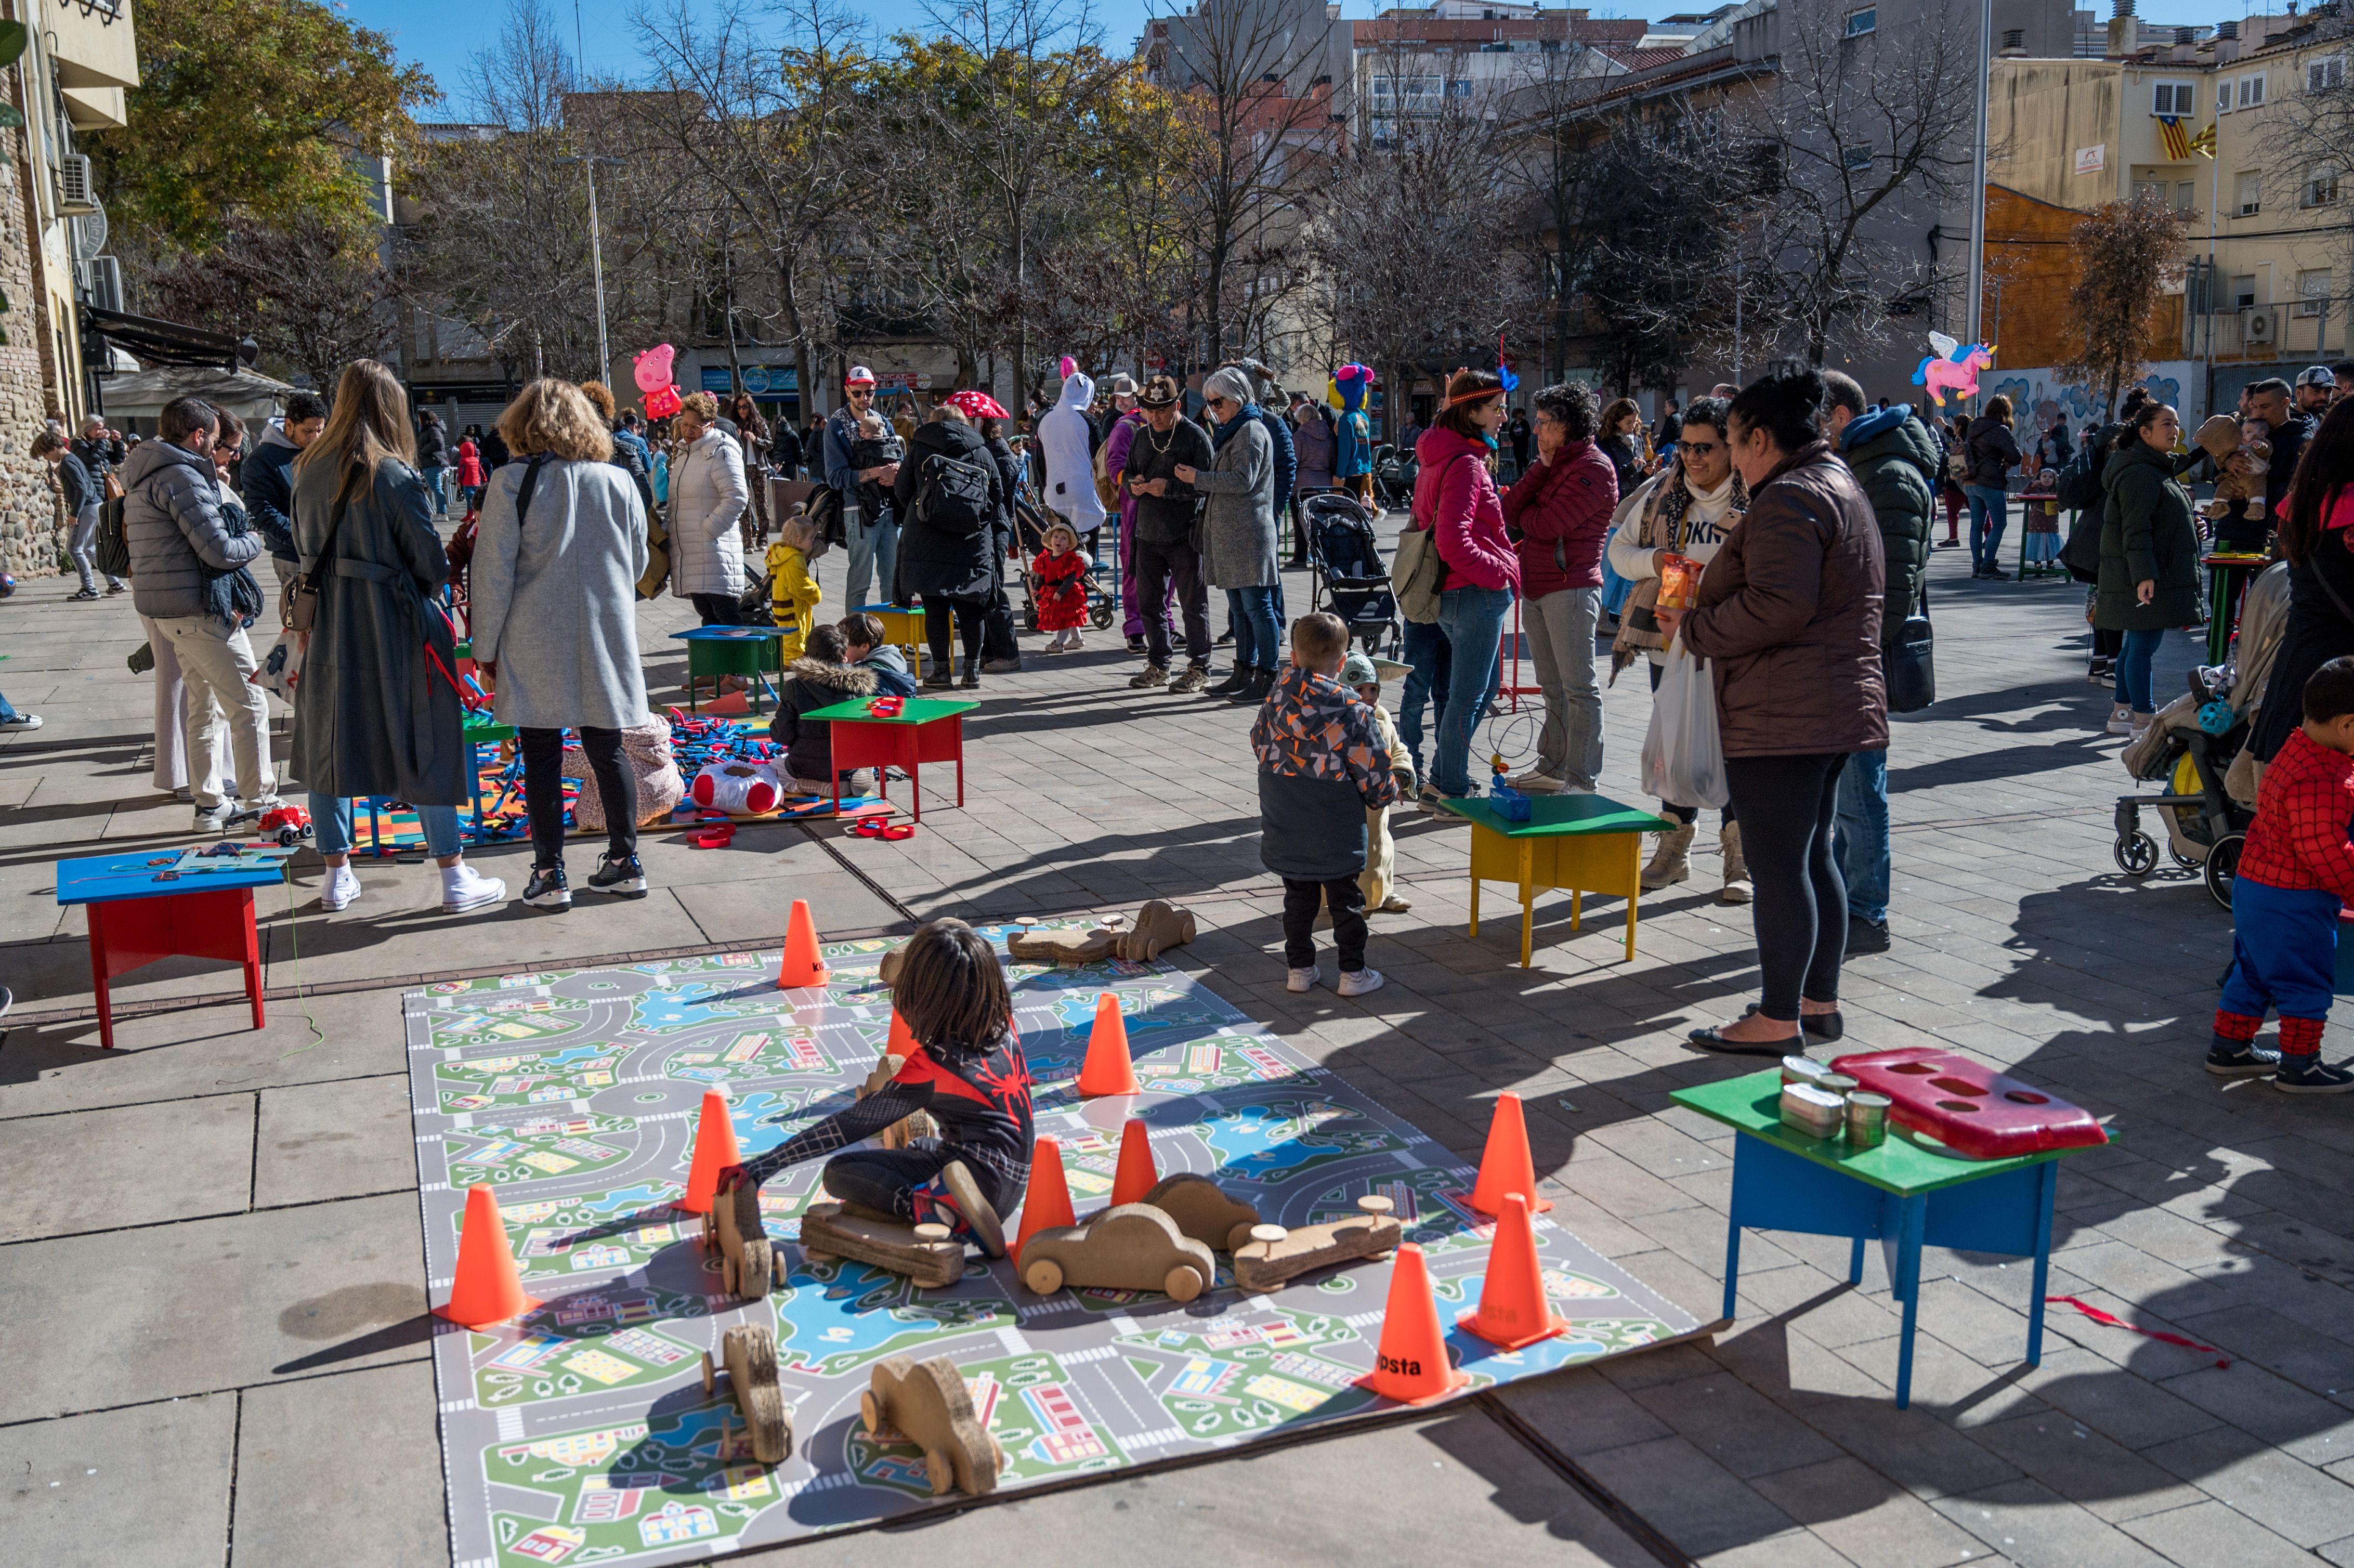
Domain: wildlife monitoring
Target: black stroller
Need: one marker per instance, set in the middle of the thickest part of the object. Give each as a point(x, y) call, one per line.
point(2191, 749)
point(1393, 472)
point(1349, 577)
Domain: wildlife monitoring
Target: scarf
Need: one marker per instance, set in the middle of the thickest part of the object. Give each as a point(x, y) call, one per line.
point(1225, 432)
point(1662, 529)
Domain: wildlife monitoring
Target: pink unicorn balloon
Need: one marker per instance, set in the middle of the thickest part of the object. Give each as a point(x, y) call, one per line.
point(651, 370)
point(1953, 367)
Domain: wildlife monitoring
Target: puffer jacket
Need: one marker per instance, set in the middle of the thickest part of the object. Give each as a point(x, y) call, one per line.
point(432, 444)
point(2146, 535)
point(810, 685)
point(267, 478)
point(1559, 514)
point(935, 561)
point(172, 520)
point(1993, 453)
point(1894, 459)
point(1455, 498)
point(1317, 448)
point(708, 495)
point(1789, 614)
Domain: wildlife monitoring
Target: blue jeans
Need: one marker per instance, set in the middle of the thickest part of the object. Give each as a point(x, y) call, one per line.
point(1989, 510)
point(1860, 836)
point(433, 477)
point(1258, 642)
point(1425, 648)
point(2134, 660)
point(7, 714)
point(1473, 620)
point(2283, 951)
point(331, 819)
point(874, 555)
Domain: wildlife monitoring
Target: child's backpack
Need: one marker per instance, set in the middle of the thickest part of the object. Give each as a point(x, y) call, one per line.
point(953, 493)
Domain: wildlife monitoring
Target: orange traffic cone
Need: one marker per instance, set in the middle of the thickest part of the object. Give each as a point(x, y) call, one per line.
point(715, 1150)
point(802, 966)
point(488, 1289)
point(1108, 1070)
point(1513, 1308)
point(1505, 1165)
point(1048, 1201)
point(1136, 1176)
point(1410, 1364)
point(902, 1042)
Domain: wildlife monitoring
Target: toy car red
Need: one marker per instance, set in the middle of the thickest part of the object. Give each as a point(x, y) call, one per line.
point(289, 825)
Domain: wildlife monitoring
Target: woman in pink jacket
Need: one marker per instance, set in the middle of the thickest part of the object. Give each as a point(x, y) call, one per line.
point(1455, 500)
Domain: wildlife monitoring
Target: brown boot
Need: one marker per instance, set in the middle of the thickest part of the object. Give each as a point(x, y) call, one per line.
point(1669, 863)
point(1736, 889)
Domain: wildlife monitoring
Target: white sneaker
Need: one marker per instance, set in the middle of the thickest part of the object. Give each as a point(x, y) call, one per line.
point(342, 888)
point(1535, 782)
point(1357, 983)
point(21, 722)
point(2120, 720)
point(1303, 979)
point(464, 888)
point(215, 818)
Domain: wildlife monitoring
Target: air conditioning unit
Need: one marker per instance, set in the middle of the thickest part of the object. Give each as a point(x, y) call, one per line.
point(2256, 326)
point(101, 282)
point(76, 196)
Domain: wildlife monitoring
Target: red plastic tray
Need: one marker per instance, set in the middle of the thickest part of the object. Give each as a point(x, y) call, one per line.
point(1973, 1110)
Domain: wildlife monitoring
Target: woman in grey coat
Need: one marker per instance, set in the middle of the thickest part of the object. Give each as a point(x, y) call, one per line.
point(376, 710)
point(557, 563)
point(1237, 531)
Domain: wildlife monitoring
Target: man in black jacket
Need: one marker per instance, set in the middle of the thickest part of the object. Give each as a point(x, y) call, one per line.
point(82, 497)
point(100, 450)
point(1165, 509)
point(266, 478)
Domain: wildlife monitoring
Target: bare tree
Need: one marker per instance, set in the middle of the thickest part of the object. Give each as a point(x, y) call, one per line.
point(312, 296)
point(2312, 131)
point(1858, 142)
point(2120, 252)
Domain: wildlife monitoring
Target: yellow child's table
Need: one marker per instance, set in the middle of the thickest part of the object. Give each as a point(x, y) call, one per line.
point(1586, 843)
point(903, 627)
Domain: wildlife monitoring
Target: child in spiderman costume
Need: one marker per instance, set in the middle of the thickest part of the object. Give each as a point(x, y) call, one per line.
point(968, 1071)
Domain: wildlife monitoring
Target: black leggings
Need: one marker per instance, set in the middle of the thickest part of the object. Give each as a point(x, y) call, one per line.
point(1787, 805)
point(542, 791)
point(886, 1179)
point(970, 615)
point(717, 609)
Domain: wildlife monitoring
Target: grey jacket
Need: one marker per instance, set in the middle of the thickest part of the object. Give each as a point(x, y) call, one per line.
point(171, 521)
point(1238, 524)
point(554, 596)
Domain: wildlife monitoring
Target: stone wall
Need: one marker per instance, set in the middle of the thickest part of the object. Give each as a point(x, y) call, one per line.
point(31, 515)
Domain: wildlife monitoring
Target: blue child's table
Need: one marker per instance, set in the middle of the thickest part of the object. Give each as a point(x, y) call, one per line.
point(140, 911)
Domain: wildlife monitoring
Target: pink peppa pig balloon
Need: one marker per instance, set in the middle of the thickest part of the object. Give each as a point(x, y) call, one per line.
point(652, 371)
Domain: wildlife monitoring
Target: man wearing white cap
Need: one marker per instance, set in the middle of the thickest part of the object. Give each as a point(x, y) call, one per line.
point(874, 541)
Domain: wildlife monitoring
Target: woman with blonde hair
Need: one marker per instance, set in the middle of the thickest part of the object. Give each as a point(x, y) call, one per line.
point(376, 711)
point(562, 544)
point(707, 497)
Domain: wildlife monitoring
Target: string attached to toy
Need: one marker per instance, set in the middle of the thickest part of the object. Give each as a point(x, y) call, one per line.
point(294, 951)
point(2111, 1320)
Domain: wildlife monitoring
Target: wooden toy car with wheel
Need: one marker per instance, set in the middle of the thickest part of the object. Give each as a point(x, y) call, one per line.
point(748, 1258)
point(1203, 1210)
point(928, 1403)
point(927, 1253)
point(749, 1356)
point(1274, 1256)
point(1133, 1246)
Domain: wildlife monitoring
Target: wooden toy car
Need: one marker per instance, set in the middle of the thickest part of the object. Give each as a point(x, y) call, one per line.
point(1132, 1248)
point(750, 1356)
point(927, 1402)
point(927, 1253)
point(748, 1258)
point(1275, 1256)
point(1203, 1210)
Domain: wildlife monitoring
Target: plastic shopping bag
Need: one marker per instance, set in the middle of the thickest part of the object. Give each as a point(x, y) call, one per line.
point(1684, 753)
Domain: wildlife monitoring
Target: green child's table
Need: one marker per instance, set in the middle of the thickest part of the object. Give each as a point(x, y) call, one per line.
point(1586, 843)
point(925, 729)
point(1907, 1193)
point(755, 651)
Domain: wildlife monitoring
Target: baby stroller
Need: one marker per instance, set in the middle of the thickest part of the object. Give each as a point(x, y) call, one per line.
point(1393, 472)
point(2195, 744)
point(1349, 578)
point(1030, 525)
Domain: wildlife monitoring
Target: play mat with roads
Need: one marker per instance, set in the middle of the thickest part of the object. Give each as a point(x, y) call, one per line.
point(581, 1432)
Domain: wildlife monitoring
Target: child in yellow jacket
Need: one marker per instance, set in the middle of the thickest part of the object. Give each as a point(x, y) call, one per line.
point(792, 593)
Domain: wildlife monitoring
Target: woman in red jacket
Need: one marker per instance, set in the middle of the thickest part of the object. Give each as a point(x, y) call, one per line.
point(1455, 500)
point(1558, 516)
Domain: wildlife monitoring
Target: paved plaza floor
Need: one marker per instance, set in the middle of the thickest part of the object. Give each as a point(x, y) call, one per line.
point(212, 1297)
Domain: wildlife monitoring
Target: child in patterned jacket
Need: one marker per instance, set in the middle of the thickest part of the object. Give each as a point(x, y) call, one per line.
point(2296, 871)
point(1321, 767)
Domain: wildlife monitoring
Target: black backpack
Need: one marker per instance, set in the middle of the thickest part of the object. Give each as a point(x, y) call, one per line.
point(953, 493)
point(2078, 488)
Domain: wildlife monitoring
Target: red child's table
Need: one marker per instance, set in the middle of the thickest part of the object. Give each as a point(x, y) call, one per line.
point(136, 917)
point(923, 729)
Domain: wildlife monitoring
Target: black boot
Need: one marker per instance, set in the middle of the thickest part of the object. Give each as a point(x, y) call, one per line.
point(1237, 679)
point(1261, 683)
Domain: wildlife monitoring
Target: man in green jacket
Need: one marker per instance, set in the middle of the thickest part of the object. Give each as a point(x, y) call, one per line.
point(1894, 459)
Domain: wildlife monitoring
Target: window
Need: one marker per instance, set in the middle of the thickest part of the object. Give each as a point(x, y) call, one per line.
point(1459, 88)
point(2222, 97)
point(2247, 193)
point(2173, 98)
point(1857, 159)
point(2312, 291)
point(2320, 186)
point(2186, 196)
point(2243, 292)
point(2252, 90)
point(1859, 23)
point(2320, 76)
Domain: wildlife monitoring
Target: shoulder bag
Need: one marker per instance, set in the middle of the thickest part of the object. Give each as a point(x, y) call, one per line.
point(299, 606)
point(1909, 662)
point(1417, 573)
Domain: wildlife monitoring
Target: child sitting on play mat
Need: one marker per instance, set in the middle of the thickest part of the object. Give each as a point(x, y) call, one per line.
point(2297, 869)
point(969, 1074)
point(1322, 766)
point(1058, 576)
point(819, 678)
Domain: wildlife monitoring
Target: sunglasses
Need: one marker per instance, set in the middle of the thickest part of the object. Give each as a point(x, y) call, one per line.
point(1697, 448)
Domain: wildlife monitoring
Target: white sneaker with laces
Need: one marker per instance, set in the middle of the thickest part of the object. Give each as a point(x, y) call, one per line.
point(1534, 782)
point(1303, 979)
point(1357, 983)
point(2120, 720)
point(464, 888)
point(341, 889)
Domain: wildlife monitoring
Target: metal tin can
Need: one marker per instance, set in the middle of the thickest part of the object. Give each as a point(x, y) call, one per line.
point(1812, 1111)
point(1840, 1084)
point(1867, 1119)
point(1803, 1070)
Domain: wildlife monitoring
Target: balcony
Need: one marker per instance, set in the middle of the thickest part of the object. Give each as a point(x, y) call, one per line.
point(91, 44)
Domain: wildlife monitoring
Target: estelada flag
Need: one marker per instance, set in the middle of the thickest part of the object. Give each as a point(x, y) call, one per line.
point(2204, 143)
point(2176, 139)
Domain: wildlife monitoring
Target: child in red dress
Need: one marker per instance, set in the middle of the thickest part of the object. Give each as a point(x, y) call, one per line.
point(1058, 581)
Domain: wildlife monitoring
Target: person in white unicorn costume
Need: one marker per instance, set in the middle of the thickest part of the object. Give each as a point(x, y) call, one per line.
point(1067, 438)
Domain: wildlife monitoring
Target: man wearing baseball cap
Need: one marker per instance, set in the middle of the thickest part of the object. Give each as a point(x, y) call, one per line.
point(2317, 389)
point(874, 541)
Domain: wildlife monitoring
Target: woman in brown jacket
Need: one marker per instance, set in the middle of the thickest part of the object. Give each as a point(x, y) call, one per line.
point(1789, 613)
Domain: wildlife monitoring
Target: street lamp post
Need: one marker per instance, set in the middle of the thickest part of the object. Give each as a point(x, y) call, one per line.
point(1979, 174)
point(597, 258)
